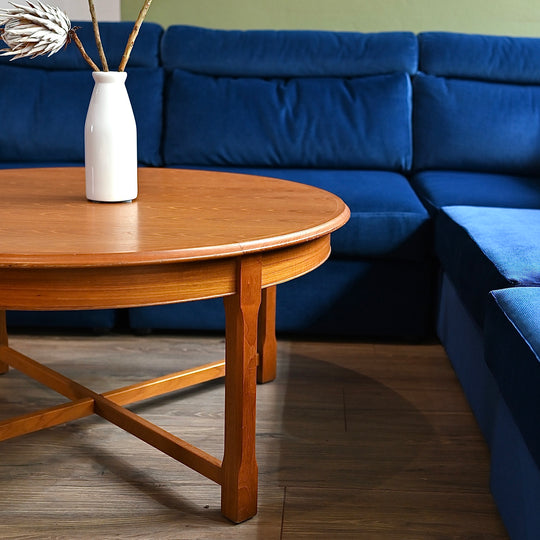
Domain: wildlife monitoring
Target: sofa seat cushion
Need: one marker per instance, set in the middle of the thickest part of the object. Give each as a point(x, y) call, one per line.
point(458, 188)
point(387, 218)
point(512, 352)
point(484, 249)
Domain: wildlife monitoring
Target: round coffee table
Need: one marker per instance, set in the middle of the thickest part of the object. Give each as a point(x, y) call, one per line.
point(189, 235)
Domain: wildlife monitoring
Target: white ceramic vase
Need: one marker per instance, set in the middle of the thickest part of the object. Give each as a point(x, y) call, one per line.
point(110, 141)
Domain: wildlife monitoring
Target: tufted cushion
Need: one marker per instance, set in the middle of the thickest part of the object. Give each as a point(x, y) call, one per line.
point(484, 249)
point(512, 352)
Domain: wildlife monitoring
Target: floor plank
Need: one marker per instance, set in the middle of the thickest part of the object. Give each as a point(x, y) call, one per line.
point(354, 440)
point(386, 514)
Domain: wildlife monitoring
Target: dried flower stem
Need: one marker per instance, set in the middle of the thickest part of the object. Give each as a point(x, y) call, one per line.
point(133, 35)
point(98, 37)
point(73, 35)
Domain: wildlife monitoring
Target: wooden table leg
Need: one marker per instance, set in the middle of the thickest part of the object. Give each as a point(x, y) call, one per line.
point(267, 345)
point(3, 340)
point(239, 467)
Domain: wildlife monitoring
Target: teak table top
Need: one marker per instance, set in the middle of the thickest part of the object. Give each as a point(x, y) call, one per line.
point(179, 215)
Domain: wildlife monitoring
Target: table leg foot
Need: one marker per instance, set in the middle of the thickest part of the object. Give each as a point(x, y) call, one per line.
point(239, 467)
point(239, 496)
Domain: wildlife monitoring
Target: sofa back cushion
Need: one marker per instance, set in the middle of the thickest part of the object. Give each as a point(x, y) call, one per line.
point(288, 98)
point(43, 101)
point(476, 104)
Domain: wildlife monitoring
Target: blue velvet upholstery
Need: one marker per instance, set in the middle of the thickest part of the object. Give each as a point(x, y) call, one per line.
point(483, 249)
point(476, 103)
point(476, 126)
point(50, 125)
point(514, 474)
point(512, 351)
point(463, 340)
point(288, 99)
point(269, 53)
point(298, 122)
point(514, 477)
point(480, 57)
point(461, 188)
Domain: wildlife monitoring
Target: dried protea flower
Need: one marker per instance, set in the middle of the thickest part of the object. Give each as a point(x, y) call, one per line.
point(39, 28)
point(33, 29)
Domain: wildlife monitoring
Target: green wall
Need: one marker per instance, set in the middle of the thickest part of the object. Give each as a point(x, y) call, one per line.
point(507, 17)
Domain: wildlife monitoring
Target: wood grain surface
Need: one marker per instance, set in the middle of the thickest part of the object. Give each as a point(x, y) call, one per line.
point(178, 241)
point(179, 215)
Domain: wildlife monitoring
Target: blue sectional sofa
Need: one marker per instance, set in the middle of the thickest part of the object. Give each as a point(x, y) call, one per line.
point(433, 140)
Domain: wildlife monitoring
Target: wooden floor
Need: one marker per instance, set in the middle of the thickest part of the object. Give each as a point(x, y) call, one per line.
point(354, 440)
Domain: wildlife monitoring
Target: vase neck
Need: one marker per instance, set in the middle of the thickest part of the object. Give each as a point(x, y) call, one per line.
point(109, 77)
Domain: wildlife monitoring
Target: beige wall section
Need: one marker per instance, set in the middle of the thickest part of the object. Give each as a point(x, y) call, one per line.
point(507, 17)
point(107, 10)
